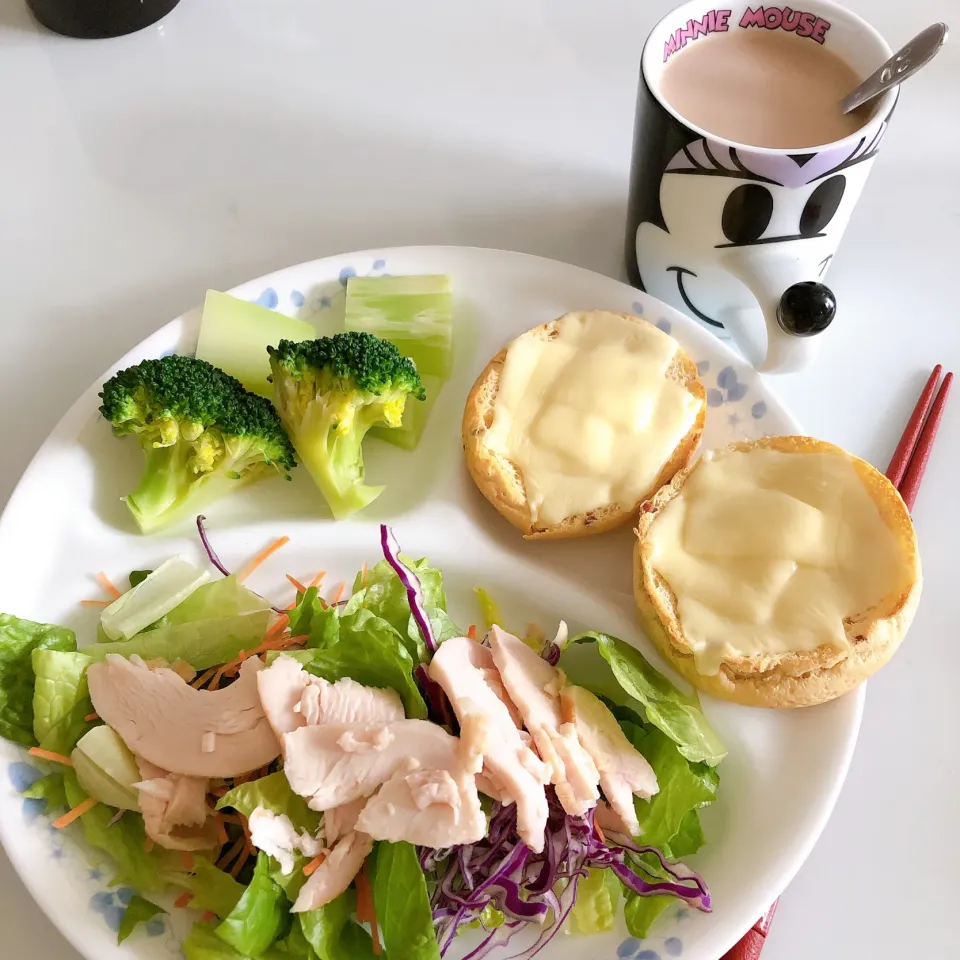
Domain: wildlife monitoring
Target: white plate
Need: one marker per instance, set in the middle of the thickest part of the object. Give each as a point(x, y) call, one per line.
point(65, 522)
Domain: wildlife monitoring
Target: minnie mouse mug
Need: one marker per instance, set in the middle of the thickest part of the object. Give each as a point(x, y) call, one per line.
point(740, 236)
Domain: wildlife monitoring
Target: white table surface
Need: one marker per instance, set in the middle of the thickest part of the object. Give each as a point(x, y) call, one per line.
point(240, 136)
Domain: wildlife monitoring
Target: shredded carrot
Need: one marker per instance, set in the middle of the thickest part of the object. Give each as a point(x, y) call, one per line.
point(148, 844)
point(338, 593)
point(231, 818)
point(222, 837)
point(603, 839)
point(260, 557)
point(92, 716)
point(217, 677)
point(183, 900)
point(208, 917)
point(95, 603)
point(116, 818)
point(105, 582)
point(50, 755)
point(78, 811)
point(316, 581)
point(186, 858)
point(234, 850)
point(311, 867)
point(279, 624)
point(300, 588)
point(220, 791)
point(472, 631)
point(365, 909)
point(198, 682)
point(241, 860)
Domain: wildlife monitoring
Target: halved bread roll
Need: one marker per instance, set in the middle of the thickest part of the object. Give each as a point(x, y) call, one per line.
point(813, 508)
point(502, 481)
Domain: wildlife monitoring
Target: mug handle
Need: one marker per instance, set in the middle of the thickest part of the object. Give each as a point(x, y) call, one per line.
point(768, 276)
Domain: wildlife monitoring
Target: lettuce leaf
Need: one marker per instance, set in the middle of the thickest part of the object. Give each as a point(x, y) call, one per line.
point(125, 844)
point(688, 839)
point(598, 898)
point(380, 591)
point(669, 819)
point(313, 619)
point(370, 651)
point(332, 933)
point(51, 789)
point(213, 889)
point(641, 912)
point(215, 601)
point(677, 714)
point(138, 911)
point(202, 643)
point(61, 699)
point(684, 787)
point(260, 916)
point(489, 609)
point(202, 943)
point(18, 640)
point(273, 793)
point(401, 903)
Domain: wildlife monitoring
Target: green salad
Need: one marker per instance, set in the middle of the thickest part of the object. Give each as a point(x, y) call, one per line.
point(357, 776)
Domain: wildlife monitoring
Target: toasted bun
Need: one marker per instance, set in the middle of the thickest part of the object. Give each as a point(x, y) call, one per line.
point(801, 678)
point(501, 482)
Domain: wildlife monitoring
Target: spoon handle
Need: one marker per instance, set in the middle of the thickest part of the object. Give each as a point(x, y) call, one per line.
point(904, 63)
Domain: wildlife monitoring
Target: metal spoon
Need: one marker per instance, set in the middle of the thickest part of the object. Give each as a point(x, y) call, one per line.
point(904, 63)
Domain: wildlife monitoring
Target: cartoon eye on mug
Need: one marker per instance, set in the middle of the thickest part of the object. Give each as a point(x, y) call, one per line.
point(724, 215)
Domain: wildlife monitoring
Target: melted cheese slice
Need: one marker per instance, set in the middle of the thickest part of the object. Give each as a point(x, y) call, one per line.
point(589, 417)
point(767, 552)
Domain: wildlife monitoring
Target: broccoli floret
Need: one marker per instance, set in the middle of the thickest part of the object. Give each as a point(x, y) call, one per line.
point(329, 393)
point(204, 435)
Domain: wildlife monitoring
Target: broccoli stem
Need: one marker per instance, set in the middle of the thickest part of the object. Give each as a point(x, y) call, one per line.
point(162, 483)
point(169, 491)
point(335, 461)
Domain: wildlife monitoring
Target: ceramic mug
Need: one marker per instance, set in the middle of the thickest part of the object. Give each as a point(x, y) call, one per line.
point(693, 242)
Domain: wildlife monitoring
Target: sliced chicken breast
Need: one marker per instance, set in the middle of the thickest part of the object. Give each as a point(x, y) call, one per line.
point(174, 809)
point(335, 874)
point(429, 808)
point(534, 686)
point(466, 672)
point(336, 764)
point(293, 698)
point(198, 733)
point(624, 771)
point(338, 821)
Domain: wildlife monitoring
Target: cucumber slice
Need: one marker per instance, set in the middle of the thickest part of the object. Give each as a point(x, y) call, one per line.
point(413, 313)
point(169, 585)
point(106, 768)
point(235, 334)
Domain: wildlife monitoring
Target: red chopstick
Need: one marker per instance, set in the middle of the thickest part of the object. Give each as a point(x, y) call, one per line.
point(911, 433)
point(905, 473)
point(911, 472)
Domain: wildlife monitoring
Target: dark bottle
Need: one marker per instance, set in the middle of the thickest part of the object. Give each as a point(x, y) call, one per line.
point(97, 19)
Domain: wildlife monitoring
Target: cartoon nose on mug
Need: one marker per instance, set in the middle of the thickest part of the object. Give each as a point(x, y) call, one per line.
point(795, 309)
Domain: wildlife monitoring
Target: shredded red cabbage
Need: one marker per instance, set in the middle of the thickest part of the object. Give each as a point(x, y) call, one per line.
point(411, 583)
point(211, 553)
point(540, 888)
